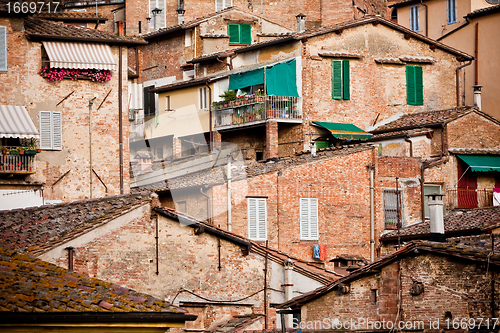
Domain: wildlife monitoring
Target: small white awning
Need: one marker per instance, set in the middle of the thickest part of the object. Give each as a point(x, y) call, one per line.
point(15, 122)
point(79, 55)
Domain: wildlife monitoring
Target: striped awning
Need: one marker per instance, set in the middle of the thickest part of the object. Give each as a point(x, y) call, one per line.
point(15, 122)
point(79, 55)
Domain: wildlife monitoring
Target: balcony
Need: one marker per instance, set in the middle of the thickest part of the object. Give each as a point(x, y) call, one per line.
point(258, 108)
point(17, 162)
point(467, 198)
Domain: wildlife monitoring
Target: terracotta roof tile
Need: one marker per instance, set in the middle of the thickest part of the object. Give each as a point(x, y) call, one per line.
point(72, 16)
point(476, 220)
point(41, 29)
point(40, 228)
point(24, 288)
point(484, 11)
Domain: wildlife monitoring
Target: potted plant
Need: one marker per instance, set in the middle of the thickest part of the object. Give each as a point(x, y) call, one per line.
point(5, 151)
point(14, 151)
point(31, 147)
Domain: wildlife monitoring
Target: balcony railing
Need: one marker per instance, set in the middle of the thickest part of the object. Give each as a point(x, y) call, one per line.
point(13, 161)
point(467, 198)
point(257, 108)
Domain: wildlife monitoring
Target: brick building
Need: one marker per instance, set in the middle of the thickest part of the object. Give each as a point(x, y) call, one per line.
point(423, 285)
point(125, 240)
point(54, 107)
point(459, 147)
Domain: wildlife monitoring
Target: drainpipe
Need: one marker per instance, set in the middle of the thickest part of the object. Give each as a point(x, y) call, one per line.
point(426, 18)
point(71, 251)
point(372, 213)
point(476, 55)
point(120, 114)
point(458, 79)
point(210, 145)
point(407, 139)
point(229, 223)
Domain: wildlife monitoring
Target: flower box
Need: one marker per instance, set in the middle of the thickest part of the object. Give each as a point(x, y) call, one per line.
point(30, 152)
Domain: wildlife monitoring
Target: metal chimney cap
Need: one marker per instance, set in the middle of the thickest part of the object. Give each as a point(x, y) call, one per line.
point(434, 196)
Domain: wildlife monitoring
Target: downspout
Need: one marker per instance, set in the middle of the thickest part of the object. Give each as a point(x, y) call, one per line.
point(229, 223)
point(372, 213)
point(426, 18)
point(458, 79)
point(120, 114)
point(476, 55)
point(407, 139)
point(210, 145)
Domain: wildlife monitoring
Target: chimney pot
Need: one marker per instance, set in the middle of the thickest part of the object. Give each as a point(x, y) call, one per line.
point(301, 22)
point(477, 96)
point(436, 217)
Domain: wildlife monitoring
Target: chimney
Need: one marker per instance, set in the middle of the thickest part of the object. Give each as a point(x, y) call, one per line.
point(436, 217)
point(301, 22)
point(477, 96)
point(121, 28)
point(288, 265)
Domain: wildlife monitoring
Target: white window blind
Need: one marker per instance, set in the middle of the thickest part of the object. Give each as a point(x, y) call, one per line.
point(257, 219)
point(309, 219)
point(3, 49)
point(51, 130)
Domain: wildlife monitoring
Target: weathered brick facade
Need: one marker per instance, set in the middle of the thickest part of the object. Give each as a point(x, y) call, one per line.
point(23, 86)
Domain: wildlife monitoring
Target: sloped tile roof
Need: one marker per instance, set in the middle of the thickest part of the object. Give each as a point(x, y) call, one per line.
point(301, 266)
point(475, 151)
point(72, 16)
point(235, 323)
point(423, 119)
point(473, 221)
point(484, 11)
point(404, 133)
point(41, 29)
point(452, 249)
point(38, 229)
point(32, 285)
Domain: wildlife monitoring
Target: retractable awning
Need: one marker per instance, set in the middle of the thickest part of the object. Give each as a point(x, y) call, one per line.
point(344, 131)
point(15, 122)
point(79, 55)
point(482, 163)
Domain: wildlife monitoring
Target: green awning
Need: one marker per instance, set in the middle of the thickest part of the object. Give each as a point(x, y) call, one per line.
point(344, 131)
point(281, 79)
point(247, 79)
point(482, 163)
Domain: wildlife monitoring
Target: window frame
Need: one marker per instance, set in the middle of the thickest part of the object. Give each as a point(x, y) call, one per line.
point(224, 4)
point(414, 18)
point(243, 29)
point(260, 205)
point(451, 11)
point(414, 85)
point(51, 130)
point(387, 219)
point(309, 218)
point(3, 48)
point(341, 77)
point(203, 98)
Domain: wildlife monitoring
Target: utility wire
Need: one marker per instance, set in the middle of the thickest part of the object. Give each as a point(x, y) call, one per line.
point(211, 300)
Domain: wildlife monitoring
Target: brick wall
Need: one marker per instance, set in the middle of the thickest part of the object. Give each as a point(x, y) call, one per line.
point(21, 85)
point(473, 131)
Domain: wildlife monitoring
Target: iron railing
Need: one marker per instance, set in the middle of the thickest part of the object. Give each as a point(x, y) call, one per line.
point(462, 198)
point(16, 163)
point(257, 108)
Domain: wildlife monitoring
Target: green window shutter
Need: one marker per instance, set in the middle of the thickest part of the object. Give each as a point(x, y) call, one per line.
point(233, 31)
point(419, 86)
point(245, 34)
point(410, 85)
point(345, 79)
point(336, 79)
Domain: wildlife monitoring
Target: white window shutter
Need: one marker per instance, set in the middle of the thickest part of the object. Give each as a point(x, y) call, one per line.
point(304, 218)
point(219, 5)
point(3, 49)
point(57, 131)
point(262, 219)
point(313, 219)
point(45, 130)
point(252, 218)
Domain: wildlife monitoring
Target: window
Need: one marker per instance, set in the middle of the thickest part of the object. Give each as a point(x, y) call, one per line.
point(3, 49)
point(430, 189)
point(239, 33)
point(340, 79)
point(149, 102)
point(50, 130)
point(167, 103)
point(223, 4)
point(391, 206)
point(414, 86)
point(414, 24)
point(451, 11)
point(203, 98)
point(309, 219)
point(257, 219)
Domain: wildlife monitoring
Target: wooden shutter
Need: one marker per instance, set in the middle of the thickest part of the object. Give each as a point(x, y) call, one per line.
point(233, 31)
point(252, 218)
point(345, 80)
point(419, 86)
point(309, 219)
point(410, 85)
point(336, 79)
point(45, 130)
point(57, 131)
point(257, 218)
point(3, 49)
point(245, 34)
point(313, 219)
point(262, 219)
point(149, 102)
point(304, 218)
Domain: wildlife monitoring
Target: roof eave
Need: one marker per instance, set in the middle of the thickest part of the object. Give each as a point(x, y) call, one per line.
point(39, 37)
